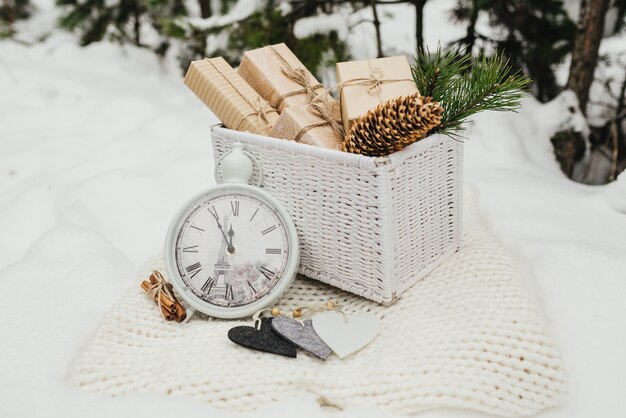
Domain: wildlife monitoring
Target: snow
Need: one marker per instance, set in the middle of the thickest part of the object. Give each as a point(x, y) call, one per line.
point(615, 193)
point(100, 145)
point(323, 24)
point(562, 113)
point(240, 11)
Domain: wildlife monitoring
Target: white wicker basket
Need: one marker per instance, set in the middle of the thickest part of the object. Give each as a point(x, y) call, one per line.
point(371, 226)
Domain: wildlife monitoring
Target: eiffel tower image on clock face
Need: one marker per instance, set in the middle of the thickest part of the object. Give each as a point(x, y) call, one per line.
point(221, 266)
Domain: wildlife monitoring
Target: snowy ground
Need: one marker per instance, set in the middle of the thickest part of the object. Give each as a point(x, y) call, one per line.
point(98, 148)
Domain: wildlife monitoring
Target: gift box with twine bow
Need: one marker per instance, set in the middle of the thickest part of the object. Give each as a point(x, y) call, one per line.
point(227, 95)
point(365, 84)
point(309, 114)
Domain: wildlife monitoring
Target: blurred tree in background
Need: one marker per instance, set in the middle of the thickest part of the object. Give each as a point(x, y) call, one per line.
point(608, 139)
point(537, 37)
point(199, 29)
point(121, 20)
point(537, 34)
point(10, 12)
point(272, 23)
point(221, 27)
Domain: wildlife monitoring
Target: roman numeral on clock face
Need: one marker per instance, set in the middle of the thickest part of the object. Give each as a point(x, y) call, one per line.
point(268, 230)
point(254, 214)
point(252, 289)
point(191, 249)
point(208, 285)
point(213, 212)
point(229, 292)
point(269, 274)
point(273, 251)
point(194, 269)
point(234, 207)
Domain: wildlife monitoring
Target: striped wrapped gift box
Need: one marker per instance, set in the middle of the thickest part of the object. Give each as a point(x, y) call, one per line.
point(229, 96)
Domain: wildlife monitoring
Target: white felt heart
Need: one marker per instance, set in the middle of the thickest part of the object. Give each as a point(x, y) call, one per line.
point(343, 336)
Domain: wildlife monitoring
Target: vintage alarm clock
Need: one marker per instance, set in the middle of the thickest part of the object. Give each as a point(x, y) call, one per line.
point(232, 249)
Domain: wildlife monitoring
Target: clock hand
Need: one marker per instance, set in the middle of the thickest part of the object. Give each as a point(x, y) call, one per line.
point(220, 227)
point(231, 248)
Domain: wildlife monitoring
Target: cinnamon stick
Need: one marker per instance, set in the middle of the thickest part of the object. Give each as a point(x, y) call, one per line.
point(177, 314)
point(168, 315)
point(180, 314)
point(179, 309)
point(165, 300)
point(157, 277)
point(171, 309)
point(167, 310)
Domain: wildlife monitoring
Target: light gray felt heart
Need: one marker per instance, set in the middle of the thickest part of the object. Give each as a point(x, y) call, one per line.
point(303, 336)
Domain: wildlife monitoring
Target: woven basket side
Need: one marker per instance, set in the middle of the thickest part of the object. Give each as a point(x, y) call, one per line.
point(427, 198)
point(336, 206)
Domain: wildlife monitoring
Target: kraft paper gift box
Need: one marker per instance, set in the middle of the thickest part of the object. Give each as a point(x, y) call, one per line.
point(279, 76)
point(300, 125)
point(228, 95)
point(366, 84)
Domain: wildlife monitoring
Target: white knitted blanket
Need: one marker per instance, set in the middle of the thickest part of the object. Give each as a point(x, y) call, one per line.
point(466, 336)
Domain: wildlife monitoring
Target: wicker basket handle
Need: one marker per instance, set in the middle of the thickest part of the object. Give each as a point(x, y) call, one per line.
point(255, 161)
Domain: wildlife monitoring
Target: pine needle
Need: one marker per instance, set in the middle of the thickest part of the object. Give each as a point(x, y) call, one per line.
point(464, 85)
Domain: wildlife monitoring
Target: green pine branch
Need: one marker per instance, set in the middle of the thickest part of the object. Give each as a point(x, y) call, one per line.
point(465, 85)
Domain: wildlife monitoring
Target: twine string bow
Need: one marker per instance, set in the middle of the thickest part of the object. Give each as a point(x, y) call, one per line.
point(317, 104)
point(156, 289)
point(374, 82)
point(323, 110)
point(160, 286)
point(260, 110)
point(299, 76)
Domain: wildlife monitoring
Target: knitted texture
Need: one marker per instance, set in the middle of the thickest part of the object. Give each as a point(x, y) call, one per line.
point(466, 336)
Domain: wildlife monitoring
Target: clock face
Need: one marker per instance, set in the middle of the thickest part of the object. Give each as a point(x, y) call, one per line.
point(232, 249)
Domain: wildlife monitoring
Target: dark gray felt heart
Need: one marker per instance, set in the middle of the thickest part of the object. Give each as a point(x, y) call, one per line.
point(264, 339)
point(303, 336)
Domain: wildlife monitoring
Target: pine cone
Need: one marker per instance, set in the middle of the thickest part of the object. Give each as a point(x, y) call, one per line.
point(393, 125)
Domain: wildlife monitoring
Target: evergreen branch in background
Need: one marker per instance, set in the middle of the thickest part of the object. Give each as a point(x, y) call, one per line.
point(465, 85)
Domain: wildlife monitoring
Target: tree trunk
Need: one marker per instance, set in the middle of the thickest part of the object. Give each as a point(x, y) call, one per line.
point(379, 43)
point(8, 11)
point(618, 134)
point(470, 38)
point(137, 27)
point(586, 45)
point(419, 22)
point(205, 8)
